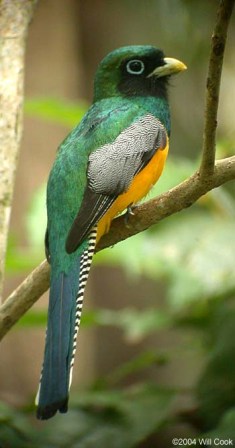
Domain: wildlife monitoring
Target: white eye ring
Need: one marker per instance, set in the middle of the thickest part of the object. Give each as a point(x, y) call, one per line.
point(139, 69)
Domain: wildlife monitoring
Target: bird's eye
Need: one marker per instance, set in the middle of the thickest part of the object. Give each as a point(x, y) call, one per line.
point(135, 67)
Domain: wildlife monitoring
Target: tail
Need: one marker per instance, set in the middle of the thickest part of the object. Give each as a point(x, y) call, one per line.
point(64, 314)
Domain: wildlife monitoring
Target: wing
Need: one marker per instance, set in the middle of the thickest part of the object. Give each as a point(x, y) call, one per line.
point(111, 169)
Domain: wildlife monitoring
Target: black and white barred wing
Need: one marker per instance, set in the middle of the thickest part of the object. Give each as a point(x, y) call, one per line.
point(111, 169)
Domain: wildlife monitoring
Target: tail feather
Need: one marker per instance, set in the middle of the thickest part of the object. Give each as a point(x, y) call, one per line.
point(64, 314)
point(85, 264)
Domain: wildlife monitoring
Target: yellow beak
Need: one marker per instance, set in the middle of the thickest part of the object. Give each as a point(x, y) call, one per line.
point(171, 67)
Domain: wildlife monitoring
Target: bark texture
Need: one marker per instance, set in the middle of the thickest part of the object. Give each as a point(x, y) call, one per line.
point(15, 16)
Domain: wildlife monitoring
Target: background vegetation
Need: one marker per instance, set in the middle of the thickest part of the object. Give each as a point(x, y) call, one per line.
point(157, 336)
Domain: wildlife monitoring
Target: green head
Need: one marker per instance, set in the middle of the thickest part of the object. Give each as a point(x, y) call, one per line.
point(137, 70)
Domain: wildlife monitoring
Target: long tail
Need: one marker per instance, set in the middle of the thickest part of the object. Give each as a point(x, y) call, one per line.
point(64, 314)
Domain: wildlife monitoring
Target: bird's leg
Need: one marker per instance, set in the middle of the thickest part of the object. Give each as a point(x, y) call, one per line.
point(129, 212)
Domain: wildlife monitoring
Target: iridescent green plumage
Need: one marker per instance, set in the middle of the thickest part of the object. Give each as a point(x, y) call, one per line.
point(103, 123)
point(130, 85)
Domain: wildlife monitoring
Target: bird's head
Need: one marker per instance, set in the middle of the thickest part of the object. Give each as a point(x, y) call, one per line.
point(138, 70)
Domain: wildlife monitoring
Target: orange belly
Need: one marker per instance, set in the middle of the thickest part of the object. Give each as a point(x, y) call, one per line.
point(139, 187)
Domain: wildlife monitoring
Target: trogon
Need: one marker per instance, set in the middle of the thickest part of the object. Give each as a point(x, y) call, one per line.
point(105, 165)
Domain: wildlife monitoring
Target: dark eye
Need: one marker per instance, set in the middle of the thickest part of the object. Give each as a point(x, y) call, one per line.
point(135, 67)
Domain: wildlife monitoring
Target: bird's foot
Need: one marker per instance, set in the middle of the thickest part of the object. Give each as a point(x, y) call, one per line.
point(129, 212)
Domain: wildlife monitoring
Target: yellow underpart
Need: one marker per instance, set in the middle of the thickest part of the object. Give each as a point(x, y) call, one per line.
point(139, 187)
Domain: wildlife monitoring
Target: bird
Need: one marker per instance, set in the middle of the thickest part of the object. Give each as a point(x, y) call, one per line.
point(105, 166)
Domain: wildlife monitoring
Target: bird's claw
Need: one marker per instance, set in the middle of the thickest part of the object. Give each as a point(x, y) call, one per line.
point(129, 212)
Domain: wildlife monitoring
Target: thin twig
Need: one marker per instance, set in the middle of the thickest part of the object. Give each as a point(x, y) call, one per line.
point(147, 214)
point(213, 85)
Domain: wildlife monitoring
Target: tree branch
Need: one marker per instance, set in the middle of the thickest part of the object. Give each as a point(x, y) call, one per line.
point(182, 196)
point(15, 16)
point(146, 215)
point(218, 42)
point(151, 212)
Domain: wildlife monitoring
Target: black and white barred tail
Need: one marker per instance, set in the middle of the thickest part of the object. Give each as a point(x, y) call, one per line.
point(85, 264)
point(64, 315)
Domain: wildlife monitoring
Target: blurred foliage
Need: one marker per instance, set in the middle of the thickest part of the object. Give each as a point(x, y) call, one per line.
point(192, 254)
point(225, 429)
point(55, 110)
point(216, 387)
point(97, 419)
point(135, 324)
